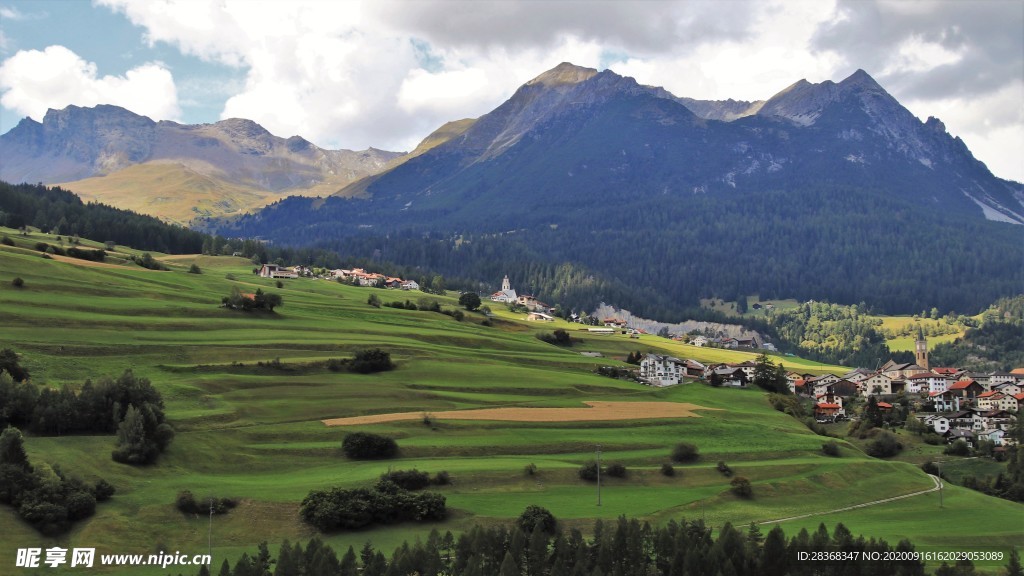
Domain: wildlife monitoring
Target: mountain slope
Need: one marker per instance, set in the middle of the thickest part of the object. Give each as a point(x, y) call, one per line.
point(75, 144)
point(829, 191)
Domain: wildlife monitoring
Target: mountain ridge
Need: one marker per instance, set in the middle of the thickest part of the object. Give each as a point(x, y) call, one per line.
point(817, 194)
point(77, 147)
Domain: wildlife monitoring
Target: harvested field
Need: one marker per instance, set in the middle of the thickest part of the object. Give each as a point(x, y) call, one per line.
point(596, 411)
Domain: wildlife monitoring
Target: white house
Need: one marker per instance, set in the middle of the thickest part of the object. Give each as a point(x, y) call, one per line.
point(700, 341)
point(410, 285)
point(661, 370)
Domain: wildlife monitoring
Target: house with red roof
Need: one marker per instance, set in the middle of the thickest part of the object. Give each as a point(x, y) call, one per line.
point(967, 390)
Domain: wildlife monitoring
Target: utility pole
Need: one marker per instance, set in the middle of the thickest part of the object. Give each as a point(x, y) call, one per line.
point(598, 474)
point(938, 464)
point(209, 534)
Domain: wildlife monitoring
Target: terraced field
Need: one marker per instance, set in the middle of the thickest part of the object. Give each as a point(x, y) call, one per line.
point(247, 394)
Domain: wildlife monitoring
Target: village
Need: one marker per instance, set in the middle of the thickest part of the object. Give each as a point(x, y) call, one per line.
point(951, 402)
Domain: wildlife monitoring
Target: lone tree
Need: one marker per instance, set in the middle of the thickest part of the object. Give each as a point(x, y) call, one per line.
point(685, 452)
point(536, 518)
point(741, 487)
point(470, 301)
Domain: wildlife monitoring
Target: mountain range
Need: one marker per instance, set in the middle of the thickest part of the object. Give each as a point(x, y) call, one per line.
point(172, 170)
point(830, 191)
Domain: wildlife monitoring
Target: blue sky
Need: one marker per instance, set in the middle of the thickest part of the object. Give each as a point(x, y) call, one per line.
point(354, 74)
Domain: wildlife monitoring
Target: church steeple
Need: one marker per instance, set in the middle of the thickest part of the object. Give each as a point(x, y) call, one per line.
point(505, 284)
point(921, 350)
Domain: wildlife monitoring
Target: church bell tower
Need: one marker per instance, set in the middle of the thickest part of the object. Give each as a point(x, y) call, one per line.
point(505, 285)
point(921, 350)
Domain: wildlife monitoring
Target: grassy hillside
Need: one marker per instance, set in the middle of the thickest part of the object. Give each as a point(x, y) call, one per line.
point(253, 431)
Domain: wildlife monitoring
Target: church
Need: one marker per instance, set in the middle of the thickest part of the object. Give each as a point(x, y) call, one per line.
point(506, 294)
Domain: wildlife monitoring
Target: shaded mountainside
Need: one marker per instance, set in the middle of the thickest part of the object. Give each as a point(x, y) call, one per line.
point(830, 191)
point(236, 163)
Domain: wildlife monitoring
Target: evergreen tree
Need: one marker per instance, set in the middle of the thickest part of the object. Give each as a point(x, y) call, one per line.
point(12, 449)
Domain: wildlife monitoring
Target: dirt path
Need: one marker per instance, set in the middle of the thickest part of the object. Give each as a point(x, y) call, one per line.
point(935, 479)
point(596, 411)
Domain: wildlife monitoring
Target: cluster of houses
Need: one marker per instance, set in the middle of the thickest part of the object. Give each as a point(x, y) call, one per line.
point(373, 279)
point(356, 276)
point(954, 403)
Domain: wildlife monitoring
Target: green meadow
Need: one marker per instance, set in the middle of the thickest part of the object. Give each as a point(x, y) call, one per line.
point(246, 394)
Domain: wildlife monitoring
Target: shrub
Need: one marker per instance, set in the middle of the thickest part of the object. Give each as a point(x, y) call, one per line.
point(830, 448)
point(884, 445)
point(685, 452)
point(559, 338)
point(724, 469)
point(536, 518)
point(530, 469)
point(588, 472)
point(194, 269)
point(668, 470)
point(6, 241)
point(368, 446)
point(408, 479)
point(18, 282)
point(616, 470)
point(741, 487)
point(932, 439)
point(930, 467)
point(103, 491)
point(373, 301)
point(187, 504)
point(369, 361)
point(958, 448)
point(442, 478)
point(147, 261)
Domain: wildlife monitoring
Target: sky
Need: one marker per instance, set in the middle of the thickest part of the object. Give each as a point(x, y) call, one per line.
point(385, 73)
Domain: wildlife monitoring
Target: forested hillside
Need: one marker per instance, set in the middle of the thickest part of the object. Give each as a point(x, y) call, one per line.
point(60, 211)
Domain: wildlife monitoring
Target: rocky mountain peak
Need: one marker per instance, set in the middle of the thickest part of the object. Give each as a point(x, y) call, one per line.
point(563, 74)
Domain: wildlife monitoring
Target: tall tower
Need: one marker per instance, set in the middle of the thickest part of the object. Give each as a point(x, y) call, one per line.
point(505, 285)
point(921, 350)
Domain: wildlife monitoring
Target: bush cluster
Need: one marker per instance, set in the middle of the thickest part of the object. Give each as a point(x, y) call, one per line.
point(385, 503)
point(369, 446)
point(186, 502)
point(884, 445)
point(370, 361)
point(559, 338)
point(259, 301)
point(43, 496)
point(830, 448)
point(147, 261)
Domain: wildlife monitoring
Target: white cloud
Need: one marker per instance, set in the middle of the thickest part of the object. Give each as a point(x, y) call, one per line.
point(33, 81)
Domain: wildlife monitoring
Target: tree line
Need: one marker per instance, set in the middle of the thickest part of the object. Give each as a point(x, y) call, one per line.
point(128, 406)
point(624, 547)
point(53, 209)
